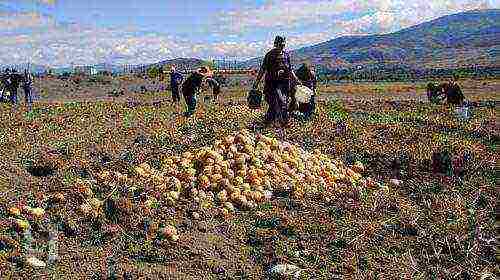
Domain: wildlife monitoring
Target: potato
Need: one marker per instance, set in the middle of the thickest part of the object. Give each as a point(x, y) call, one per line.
point(222, 196)
point(14, 211)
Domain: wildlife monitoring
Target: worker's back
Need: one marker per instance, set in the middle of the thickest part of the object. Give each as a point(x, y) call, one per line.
point(454, 94)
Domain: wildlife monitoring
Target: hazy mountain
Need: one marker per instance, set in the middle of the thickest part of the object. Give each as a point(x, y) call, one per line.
point(451, 41)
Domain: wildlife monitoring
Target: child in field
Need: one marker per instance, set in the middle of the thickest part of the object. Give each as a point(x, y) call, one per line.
point(454, 95)
point(4, 84)
point(435, 92)
point(15, 79)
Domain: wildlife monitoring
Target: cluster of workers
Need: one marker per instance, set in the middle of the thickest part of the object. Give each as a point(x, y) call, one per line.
point(279, 85)
point(191, 86)
point(450, 91)
point(10, 81)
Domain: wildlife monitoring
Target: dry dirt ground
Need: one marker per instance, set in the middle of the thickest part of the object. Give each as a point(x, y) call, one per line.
point(56, 90)
point(430, 226)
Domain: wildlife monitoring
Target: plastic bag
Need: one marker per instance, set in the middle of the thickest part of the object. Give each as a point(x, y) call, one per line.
point(303, 94)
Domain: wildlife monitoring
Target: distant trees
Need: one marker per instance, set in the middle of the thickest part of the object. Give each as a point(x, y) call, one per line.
point(154, 72)
point(397, 73)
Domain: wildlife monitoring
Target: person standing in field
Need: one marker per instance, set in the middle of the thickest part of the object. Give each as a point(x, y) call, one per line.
point(215, 87)
point(15, 79)
point(175, 81)
point(278, 69)
point(191, 86)
point(4, 83)
point(454, 95)
point(307, 76)
point(27, 86)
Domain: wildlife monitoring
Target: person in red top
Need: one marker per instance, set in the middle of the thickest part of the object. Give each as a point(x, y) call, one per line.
point(279, 73)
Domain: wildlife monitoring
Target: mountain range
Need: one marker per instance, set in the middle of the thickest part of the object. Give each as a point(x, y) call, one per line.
point(453, 41)
point(449, 42)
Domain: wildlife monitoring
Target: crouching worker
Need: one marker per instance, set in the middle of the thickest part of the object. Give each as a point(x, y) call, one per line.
point(307, 77)
point(278, 69)
point(191, 87)
point(454, 95)
point(215, 88)
point(435, 93)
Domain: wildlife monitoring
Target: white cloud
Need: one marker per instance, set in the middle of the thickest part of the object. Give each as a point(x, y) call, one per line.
point(12, 21)
point(59, 45)
point(383, 15)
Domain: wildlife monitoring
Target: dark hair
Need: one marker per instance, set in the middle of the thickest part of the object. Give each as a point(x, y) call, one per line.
point(279, 40)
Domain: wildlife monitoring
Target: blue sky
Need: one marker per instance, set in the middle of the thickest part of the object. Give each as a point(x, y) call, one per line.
point(60, 32)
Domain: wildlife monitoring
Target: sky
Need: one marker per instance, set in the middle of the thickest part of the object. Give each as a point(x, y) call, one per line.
point(59, 33)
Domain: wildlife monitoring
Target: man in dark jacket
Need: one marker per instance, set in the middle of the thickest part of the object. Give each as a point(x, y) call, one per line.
point(278, 69)
point(175, 81)
point(454, 95)
point(27, 86)
point(15, 79)
point(4, 83)
point(190, 88)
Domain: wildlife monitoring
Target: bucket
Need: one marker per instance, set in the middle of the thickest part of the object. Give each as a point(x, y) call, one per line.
point(254, 99)
point(463, 112)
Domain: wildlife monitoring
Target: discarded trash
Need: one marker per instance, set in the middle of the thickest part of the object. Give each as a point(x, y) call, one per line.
point(285, 271)
point(35, 263)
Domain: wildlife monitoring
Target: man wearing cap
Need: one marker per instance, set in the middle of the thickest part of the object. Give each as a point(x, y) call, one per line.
point(175, 81)
point(191, 86)
point(277, 83)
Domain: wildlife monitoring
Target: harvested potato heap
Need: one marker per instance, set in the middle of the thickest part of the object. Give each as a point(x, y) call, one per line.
point(243, 170)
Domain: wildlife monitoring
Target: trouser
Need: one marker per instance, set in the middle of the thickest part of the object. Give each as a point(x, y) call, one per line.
point(276, 95)
point(2, 93)
point(190, 99)
point(175, 94)
point(27, 96)
point(13, 95)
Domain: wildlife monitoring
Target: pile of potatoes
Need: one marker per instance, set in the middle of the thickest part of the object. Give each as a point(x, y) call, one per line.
point(243, 170)
point(239, 171)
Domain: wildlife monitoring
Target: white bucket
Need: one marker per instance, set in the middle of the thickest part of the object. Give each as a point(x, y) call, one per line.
point(303, 94)
point(463, 112)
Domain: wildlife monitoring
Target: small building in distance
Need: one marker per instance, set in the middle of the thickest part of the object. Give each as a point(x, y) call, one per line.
point(88, 70)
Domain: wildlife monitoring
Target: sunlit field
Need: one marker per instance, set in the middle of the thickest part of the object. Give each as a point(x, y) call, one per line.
point(136, 189)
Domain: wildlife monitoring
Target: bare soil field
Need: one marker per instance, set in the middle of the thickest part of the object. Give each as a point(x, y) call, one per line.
point(80, 156)
point(56, 90)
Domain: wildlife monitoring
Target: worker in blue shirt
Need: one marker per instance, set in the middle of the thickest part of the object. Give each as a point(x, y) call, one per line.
point(175, 82)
